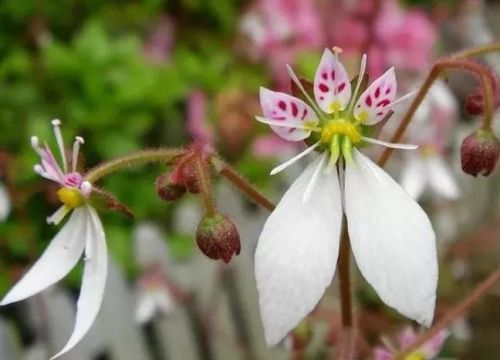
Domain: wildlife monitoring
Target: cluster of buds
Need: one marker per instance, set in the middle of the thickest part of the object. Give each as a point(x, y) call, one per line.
point(479, 153)
point(217, 237)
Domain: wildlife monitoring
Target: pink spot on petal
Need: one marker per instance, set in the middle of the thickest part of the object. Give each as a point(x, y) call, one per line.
point(324, 76)
point(388, 90)
point(368, 101)
point(304, 114)
point(341, 87)
point(333, 75)
point(282, 105)
point(279, 118)
point(295, 110)
point(383, 103)
point(377, 92)
point(323, 87)
point(322, 98)
point(380, 113)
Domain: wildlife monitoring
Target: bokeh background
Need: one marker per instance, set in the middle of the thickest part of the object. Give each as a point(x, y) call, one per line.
point(128, 75)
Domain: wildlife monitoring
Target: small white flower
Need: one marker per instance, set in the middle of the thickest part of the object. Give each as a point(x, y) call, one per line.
point(430, 128)
point(83, 232)
point(152, 254)
point(391, 236)
point(5, 204)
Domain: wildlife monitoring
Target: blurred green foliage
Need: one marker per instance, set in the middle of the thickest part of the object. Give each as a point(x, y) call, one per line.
point(85, 63)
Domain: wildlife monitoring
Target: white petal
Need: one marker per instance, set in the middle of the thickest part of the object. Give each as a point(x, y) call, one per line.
point(414, 178)
point(93, 282)
point(146, 306)
point(4, 203)
point(297, 253)
point(389, 144)
point(441, 178)
point(163, 300)
point(59, 258)
point(392, 240)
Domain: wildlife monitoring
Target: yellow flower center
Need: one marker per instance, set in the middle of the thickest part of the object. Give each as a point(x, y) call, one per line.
point(340, 127)
point(70, 197)
point(417, 355)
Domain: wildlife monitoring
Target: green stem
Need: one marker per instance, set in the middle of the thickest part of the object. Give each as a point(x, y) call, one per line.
point(135, 159)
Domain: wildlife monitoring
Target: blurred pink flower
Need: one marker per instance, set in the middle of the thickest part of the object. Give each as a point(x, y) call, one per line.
point(272, 145)
point(159, 45)
point(407, 337)
point(280, 29)
point(407, 37)
point(197, 123)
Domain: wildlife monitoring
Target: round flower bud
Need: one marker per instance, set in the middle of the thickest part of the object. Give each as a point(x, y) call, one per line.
point(188, 175)
point(218, 238)
point(168, 187)
point(474, 102)
point(479, 153)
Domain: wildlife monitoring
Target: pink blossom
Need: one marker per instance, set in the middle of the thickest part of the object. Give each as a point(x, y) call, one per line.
point(197, 124)
point(160, 42)
point(406, 338)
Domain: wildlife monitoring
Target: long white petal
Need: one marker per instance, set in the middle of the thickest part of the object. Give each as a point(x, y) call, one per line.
point(392, 240)
point(414, 177)
point(390, 145)
point(59, 258)
point(293, 160)
point(4, 203)
point(297, 253)
point(441, 178)
point(93, 282)
point(146, 307)
point(314, 178)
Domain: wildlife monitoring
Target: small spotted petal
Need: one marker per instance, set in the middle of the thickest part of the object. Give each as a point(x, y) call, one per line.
point(281, 107)
point(374, 104)
point(332, 88)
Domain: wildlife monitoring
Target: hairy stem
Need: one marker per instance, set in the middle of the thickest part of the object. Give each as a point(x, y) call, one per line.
point(135, 159)
point(437, 69)
point(453, 314)
point(205, 187)
point(477, 51)
point(242, 184)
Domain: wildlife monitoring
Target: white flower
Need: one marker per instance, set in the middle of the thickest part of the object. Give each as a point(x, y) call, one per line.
point(391, 237)
point(82, 232)
point(4, 203)
point(152, 253)
point(430, 129)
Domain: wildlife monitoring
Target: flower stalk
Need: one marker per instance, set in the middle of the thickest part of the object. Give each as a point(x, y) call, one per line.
point(139, 158)
point(436, 71)
point(205, 187)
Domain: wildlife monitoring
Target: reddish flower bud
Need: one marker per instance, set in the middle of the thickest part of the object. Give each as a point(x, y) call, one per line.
point(474, 102)
point(479, 153)
point(188, 175)
point(218, 238)
point(168, 187)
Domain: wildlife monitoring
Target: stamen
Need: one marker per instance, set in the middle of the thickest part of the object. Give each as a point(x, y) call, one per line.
point(389, 145)
point(76, 149)
point(39, 170)
point(297, 82)
point(404, 97)
point(313, 180)
point(294, 159)
point(57, 217)
point(35, 144)
point(56, 123)
point(362, 69)
point(286, 125)
point(86, 188)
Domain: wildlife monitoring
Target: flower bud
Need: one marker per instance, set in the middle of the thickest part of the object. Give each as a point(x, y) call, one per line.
point(188, 175)
point(168, 187)
point(479, 153)
point(218, 238)
point(474, 102)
